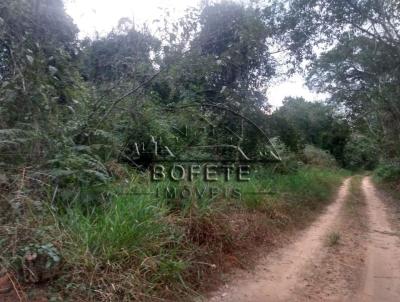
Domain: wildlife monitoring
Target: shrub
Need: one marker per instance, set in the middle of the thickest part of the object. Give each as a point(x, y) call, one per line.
point(388, 172)
point(289, 161)
point(318, 157)
point(360, 153)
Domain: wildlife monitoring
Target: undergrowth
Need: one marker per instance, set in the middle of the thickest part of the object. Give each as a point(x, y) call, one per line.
point(137, 246)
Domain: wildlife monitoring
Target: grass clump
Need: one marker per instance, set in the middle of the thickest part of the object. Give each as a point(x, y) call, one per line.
point(123, 229)
point(332, 239)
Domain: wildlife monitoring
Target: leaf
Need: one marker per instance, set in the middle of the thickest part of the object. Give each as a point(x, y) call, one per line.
point(61, 172)
point(81, 148)
point(56, 258)
point(100, 176)
point(53, 70)
point(30, 59)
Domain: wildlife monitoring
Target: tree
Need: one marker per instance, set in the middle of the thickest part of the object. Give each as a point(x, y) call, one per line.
point(41, 86)
point(360, 66)
point(358, 73)
point(317, 123)
point(360, 153)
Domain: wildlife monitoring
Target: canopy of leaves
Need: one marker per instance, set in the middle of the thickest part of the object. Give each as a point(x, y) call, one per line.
point(357, 61)
point(299, 122)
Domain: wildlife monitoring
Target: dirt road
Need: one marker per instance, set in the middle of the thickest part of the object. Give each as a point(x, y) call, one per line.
point(382, 282)
point(350, 253)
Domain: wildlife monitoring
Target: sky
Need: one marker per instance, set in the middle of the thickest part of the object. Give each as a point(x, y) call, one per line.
point(100, 16)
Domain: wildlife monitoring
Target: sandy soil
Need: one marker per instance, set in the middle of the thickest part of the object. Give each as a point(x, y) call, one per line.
point(281, 272)
point(382, 280)
point(364, 265)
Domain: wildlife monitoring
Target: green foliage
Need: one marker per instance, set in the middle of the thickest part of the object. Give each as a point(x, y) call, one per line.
point(41, 87)
point(37, 262)
point(135, 223)
point(82, 116)
point(290, 162)
point(318, 157)
point(154, 244)
point(123, 55)
point(299, 122)
point(131, 226)
point(287, 132)
point(78, 169)
point(388, 172)
point(360, 71)
point(366, 86)
point(361, 153)
point(48, 250)
point(232, 33)
point(48, 35)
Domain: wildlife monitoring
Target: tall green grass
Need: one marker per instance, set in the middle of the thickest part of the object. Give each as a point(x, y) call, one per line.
point(129, 227)
point(173, 242)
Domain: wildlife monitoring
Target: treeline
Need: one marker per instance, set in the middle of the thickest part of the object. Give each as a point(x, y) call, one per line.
point(70, 106)
point(358, 67)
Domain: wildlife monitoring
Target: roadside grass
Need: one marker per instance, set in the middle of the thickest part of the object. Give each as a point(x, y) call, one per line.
point(387, 179)
point(169, 246)
point(147, 247)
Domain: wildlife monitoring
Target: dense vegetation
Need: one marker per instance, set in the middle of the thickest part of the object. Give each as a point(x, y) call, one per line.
point(75, 116)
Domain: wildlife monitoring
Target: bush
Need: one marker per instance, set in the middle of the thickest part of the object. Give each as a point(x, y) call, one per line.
point(360, 153)
point(290, 162)
point(388, 172)
point(318, 157)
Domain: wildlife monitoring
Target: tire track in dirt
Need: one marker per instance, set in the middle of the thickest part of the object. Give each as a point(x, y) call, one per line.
point(364, 266)
point(340, 272)
point(374, 242)
point(382, 279)
point(277, 276)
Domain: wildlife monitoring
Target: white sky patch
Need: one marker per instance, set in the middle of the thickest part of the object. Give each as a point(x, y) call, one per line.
point(295, 87)
point(100, 16)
